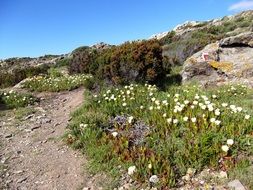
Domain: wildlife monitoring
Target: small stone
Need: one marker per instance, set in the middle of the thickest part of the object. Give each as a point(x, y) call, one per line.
point(8, 136)
point(186, 178)
point(22, 180)
point(191, 171)
point(3, 160)
point(154, 179)
point(8, 181)
point(236, 185)
point(28, 130)
point(223, 174)
point(56, 124)
point(28, 117)
point(45, 120)
point(35, 127)
point(18, 172)
point(127, 186)
point(202, 182)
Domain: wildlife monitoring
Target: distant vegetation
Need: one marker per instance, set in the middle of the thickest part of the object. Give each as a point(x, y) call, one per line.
point(10, 78)
point(138, 61)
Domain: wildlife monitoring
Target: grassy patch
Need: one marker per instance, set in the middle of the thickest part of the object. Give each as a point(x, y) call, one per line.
point(163, 133)
point(11, 99)
point(243, 172)
point(22, 112)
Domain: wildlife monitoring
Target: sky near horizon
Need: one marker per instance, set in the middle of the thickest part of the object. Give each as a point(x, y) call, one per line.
point(38, 27)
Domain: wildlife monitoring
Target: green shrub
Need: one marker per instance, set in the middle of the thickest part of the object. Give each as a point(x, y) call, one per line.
point(132, 61)
point(62, 62)
point(54, 72)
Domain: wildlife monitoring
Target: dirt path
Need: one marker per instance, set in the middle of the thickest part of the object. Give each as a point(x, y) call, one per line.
point(33, 155)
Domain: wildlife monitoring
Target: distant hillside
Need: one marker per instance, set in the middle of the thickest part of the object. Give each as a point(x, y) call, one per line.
point(188, 38)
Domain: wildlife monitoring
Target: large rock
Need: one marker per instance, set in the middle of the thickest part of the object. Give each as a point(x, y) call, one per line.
point(230, 59)
point(244, 39)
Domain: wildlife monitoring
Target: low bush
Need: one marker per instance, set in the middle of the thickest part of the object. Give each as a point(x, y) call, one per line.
point(132, 61)
point(164, 133)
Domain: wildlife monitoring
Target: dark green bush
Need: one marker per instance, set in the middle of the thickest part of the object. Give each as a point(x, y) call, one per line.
point(16, 75)
point(132, 61)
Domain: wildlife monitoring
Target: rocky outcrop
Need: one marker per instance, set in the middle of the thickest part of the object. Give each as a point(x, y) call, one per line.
point(230, 59)
point(244, 39)
point(101, 46)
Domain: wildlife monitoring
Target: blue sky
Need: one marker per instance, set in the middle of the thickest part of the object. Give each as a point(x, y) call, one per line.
point(37, 27)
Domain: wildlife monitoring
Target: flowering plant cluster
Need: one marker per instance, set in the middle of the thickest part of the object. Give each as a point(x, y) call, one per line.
point(13, 99)
point(187, 128)
point(56, 84)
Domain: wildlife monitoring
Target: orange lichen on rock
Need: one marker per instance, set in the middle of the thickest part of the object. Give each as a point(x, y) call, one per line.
point(224, 66)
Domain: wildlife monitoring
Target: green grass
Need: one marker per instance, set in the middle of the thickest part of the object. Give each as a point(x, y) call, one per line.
point(11, 99)
point(243, 172)
point(57, 82)
point(20, 113)
point(142, 126)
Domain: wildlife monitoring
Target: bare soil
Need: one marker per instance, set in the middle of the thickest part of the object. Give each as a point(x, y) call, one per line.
point(33, 154)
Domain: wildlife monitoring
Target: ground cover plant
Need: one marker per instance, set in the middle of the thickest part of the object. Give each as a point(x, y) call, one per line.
point(157, 136)
point(11, 99)
point(57, 83)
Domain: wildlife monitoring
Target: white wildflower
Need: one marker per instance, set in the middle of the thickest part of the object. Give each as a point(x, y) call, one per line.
point(131, 170)
point(230, 142)
point(247, 117)
point(217, 122)
point(194, 119)
point(239, 109)
point(114, 134)
point(186, 102)
point(224, 105)
point(225, 148)
point(212, 120)
point(169, 120)
point(130, 119)
point(175, 121)
point(195, 102)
